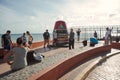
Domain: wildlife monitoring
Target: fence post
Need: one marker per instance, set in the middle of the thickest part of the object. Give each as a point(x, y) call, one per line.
point(100, 32)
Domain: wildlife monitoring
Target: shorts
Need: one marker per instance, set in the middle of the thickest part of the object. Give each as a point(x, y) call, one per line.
point(29, 42)
point(46, 40)
point(6, 47)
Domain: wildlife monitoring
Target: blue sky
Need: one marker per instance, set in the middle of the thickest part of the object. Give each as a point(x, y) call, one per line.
point(38, 15)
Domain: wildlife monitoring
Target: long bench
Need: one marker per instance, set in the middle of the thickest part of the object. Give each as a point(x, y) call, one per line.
point(115, 45)
point(1, 52)
point(55, 71)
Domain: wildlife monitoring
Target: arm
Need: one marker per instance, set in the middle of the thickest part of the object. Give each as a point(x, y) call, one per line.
point(2, 42)
point(44, 35)
point(49, 35)
point(11, 42)
point(31, 37)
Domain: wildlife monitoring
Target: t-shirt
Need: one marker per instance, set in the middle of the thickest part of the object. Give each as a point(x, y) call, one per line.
point(107, 34)
point(20, 60)
point(78, 33)
point(46, 35)
point(6, 38)
point(72, 34)
point(24, 39)
point(54, 35)
point(95, 34)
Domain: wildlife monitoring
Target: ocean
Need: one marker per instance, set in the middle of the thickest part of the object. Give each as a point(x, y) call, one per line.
point(36, 37)
point(39, 37)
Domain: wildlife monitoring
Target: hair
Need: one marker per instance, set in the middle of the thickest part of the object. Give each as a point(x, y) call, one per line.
point(107, 28)
point(19, 41)
point(27, 32)
point(8, 31)
point(23, 33)
point(71, 29)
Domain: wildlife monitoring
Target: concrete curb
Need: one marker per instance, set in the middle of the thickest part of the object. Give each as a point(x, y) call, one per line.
point(92, 66)
point(86, 71)
point(68, 64)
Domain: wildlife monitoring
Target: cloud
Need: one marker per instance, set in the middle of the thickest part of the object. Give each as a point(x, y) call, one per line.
point(37, 15)
point(89, 12)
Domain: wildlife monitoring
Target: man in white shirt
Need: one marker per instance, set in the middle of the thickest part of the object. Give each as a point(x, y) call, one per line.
point(54, 37)
point(107, 35)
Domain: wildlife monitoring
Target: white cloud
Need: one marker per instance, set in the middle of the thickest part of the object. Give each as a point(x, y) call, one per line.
point(43, 14)
point(32, 17)
point(90, 12)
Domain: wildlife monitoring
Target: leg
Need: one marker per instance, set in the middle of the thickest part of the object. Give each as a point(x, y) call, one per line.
point(48, 43)
point(73, 44)
point(6, 49)
point(69, 44)
point(44, 43)
point(78, 37)
point(106, 41)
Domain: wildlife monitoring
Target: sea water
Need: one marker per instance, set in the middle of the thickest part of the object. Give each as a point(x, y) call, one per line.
point(36, 37)
point(39, 36)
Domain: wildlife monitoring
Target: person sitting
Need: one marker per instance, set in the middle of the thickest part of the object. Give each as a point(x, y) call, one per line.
point(19, 53)
point(93, 41)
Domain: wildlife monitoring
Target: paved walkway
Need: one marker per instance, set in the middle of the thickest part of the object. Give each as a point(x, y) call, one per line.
point(109, 69)
point(52, 56)
point(82, 70)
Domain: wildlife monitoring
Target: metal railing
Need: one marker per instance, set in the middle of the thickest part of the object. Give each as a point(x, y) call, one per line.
point(88, 31)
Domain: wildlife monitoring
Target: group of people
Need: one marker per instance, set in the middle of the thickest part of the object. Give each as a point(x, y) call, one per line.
point(108, 36)
point(46, 36)
point(19, 52)
point(30, 39)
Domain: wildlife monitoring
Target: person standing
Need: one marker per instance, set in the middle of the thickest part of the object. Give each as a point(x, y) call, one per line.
point(54, 37)
point(71, 39)
point(30, 38)
point(107, 35)
point(111, 35)
point(19, 56)
point(24, 39)
point(95, 34)
point(46, 37)
point(6, 42)
point(78, 34)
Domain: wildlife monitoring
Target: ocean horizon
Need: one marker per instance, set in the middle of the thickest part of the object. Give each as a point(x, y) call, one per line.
point(37, 37)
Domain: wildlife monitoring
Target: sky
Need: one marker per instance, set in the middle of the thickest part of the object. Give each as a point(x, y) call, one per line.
point(38, 15)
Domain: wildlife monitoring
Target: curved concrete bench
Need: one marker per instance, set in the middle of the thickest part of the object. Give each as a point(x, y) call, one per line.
point(55, 71)
point(1, 52)
point(115, 45)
